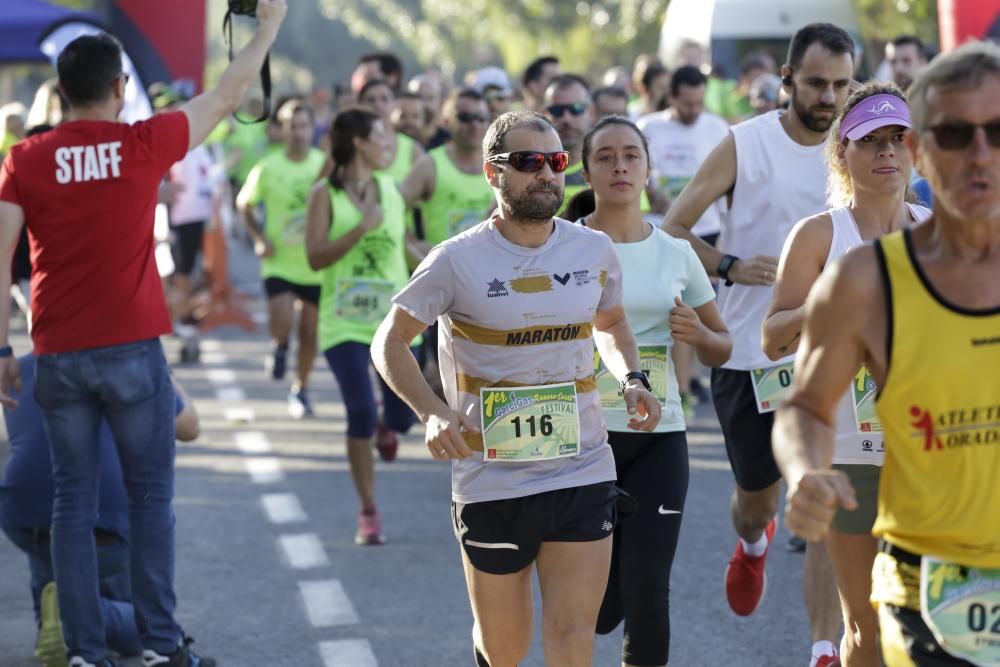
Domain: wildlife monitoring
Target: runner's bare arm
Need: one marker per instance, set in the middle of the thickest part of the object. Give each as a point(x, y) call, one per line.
point(614, 340)
point(205, 111)
point(11, 221)
point(320, 250)
point(390, 350)
point(715, 178)
point(616, 343)
point(248, 211)
point(418, 185)
point(836, 341)
point(713, 345)
point(802, 260)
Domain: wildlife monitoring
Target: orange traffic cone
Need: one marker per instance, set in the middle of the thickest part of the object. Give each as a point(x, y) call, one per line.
point(222, 305)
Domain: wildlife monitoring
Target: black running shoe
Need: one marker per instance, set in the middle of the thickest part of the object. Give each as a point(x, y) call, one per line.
point(279, 364)
point(182, 657)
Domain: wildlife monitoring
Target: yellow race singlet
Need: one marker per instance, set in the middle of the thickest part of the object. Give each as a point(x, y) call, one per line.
point(940, 409)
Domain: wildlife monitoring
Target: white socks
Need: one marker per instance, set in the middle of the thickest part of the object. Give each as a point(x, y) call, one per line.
point(758, 548)
point(821, 648)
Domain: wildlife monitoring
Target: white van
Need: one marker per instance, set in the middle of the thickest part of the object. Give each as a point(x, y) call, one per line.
point(729, 29)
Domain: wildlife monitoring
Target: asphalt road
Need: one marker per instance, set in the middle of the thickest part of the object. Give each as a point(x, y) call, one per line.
point(267, 572)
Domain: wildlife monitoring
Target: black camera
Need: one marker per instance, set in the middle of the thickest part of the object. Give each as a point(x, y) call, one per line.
point(243, 7)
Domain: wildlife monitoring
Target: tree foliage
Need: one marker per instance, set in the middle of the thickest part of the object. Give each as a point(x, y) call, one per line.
point(882, 20)
point(458, 35)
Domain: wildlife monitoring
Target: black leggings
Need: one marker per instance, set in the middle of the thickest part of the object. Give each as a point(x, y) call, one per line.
point(652, 467)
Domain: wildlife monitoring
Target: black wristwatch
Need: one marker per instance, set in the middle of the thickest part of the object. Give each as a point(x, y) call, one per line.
point(724, 267)
point(636, 375)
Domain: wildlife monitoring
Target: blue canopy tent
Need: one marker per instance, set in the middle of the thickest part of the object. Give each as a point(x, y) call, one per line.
point(24, 22)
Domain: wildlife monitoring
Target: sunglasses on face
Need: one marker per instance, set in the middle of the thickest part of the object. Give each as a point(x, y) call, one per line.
point(532, 161)
point(557, 110)
point(959, 136)
point(469, 117)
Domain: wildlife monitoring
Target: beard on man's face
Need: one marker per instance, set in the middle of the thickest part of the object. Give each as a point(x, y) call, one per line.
point(538, 202)
point(810, 115)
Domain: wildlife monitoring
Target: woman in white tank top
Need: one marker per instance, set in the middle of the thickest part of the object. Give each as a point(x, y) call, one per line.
point(869, 169)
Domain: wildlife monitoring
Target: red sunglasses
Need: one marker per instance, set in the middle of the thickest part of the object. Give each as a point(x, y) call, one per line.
point(533, 161)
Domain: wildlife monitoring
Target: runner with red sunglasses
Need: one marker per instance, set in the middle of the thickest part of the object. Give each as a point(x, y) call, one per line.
point(520, 300)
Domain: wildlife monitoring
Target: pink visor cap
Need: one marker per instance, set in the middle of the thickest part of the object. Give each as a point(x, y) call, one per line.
point(872, 113)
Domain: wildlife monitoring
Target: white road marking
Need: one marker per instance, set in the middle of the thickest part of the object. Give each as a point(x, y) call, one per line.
point(212, 358)
point(230, 394)
point(347, 653)
point(283, 508)
point(327, 604)
point(252, 442)
point(303, 551)
point(220, 376)
point(265, 470)
point(211, 345)
point(239, 415)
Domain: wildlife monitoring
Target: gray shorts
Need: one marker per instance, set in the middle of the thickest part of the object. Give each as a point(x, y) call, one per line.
point(864, 479)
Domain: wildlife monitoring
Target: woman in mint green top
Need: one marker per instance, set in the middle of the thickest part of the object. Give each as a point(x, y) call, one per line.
point(667, 298)
point(355, 234)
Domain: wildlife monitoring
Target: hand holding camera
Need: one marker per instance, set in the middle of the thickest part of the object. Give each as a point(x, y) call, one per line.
point(269, 13)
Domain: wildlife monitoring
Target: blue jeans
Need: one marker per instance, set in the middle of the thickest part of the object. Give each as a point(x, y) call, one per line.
point(112, 567)
point(129, 385)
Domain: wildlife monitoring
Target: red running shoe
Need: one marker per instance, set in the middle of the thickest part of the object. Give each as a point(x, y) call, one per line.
point(746, 579)
point(386, 442)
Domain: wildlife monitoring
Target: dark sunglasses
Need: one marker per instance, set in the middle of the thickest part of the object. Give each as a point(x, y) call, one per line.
point(958, 136)
point(469, 117)
point(557, 110)
point(532, 161)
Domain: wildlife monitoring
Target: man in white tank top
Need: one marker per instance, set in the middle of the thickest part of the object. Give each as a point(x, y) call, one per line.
point(771, 170)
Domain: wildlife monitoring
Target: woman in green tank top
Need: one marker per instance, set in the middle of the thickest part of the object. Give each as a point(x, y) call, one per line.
point(355, 235)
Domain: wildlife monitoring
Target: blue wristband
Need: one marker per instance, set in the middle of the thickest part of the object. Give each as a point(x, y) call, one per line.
point(6, 351)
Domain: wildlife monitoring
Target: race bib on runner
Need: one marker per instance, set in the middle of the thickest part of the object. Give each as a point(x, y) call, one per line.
point(771, 385)
point(653, 359)
point(864, 391)
point(363, 300)
point(294, 230)
point(530, 423)
point(961, 606)
point(459, 221)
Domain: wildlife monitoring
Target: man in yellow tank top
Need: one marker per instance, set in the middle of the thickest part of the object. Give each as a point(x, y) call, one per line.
point(921, 308)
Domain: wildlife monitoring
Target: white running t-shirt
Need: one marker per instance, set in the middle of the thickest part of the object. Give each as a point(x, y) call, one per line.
point(519, 316)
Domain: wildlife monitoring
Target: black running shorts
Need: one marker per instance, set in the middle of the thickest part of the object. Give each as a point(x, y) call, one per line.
point(277, 286)
point(504, 536)
point(187, 246)
point(746, 431)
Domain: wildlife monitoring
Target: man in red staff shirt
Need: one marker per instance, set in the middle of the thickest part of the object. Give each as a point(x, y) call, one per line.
point(87, 191)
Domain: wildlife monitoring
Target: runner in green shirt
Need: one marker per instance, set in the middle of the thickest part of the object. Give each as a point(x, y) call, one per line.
point(356, 234)
point(273, 203)
point(403, 151)
point(448, 182)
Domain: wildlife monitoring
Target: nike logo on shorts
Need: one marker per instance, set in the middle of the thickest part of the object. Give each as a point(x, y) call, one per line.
point(663, 510)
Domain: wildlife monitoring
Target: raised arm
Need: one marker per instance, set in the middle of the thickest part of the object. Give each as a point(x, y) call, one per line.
point(206, 110)
point(802, 260)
